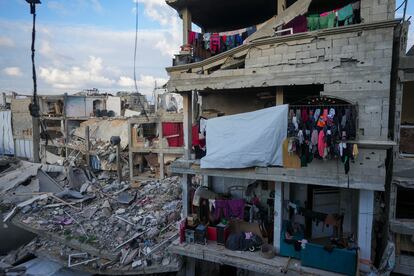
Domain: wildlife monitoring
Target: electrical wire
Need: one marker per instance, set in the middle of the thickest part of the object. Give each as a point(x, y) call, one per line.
point(399, 7)
point(135, 59)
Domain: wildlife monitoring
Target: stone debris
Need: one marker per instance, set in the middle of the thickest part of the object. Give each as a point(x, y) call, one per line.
point(114, 226)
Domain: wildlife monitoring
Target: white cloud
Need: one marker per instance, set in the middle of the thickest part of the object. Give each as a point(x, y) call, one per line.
point(12, 71)
point(91, 74)
point(5, 41)
point(145, 83)
point(126, 82)
point(73, 57)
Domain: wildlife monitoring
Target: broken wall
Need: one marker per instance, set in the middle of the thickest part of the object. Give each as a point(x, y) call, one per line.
point(22, 128)
point(355, 66)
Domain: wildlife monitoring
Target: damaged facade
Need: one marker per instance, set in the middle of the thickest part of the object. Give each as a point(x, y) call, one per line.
point(333, 67)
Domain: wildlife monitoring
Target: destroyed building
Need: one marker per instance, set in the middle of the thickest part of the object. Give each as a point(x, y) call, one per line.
point(93, 224)
point(76, 130)
point(293, 112)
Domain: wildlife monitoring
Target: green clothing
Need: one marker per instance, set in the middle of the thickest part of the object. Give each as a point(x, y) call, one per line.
point(313, 22)
point(327, 21)
point(346, 14)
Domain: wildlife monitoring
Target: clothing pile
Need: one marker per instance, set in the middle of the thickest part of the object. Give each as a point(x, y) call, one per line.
point(243, 241)
point(322, 133)
point(207, 44)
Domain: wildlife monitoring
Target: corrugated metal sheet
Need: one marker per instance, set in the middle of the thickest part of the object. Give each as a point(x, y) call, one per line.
point(24, 148)
point(6, 133)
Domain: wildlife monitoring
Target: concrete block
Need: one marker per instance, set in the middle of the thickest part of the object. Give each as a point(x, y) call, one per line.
point(309, 60)
point(294, 48)
point(254, 52)
point(340, 42)
point(303, 55)
point(383, 45)
point(275, 59)
point(323, 43)
point(317, 52)
point(268, 52)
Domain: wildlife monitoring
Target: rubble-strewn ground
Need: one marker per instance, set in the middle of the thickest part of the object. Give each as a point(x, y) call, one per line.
point(108, 225)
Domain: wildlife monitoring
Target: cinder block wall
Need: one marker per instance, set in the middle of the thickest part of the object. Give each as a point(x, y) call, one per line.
point(355, 66)
point(377, 10)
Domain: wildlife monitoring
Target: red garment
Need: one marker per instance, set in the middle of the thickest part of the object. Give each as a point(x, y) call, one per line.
point(191, 37)
point(169, 129)
point(321, 144)
point(304, 115)
point(196, 138)
point(215, 43)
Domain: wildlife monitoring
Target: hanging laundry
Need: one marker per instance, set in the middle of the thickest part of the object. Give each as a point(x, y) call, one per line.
point(355, 151)
point(239, 40)
point(321, 144)
point(345, 15)
point(327, 21)
point(314, 137)
point(316, 115)
point(191, 37)
point(215, 43)
point(251, 30)
point(206, 38)
point(323, 118)
point(304, 115)
point(313, 22)
point(298, 24)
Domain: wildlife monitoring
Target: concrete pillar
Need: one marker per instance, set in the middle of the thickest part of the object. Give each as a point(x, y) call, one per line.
point(161, 148)
point(278, 215)
point(281, 6)
point(186, 16)
point(185, 186)
point(189, 267)
point(365, 219)
point(130, 154)
point(187, 124)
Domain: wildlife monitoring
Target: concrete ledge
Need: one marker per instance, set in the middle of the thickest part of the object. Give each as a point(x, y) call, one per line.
point(245, 260)
point(329, 173)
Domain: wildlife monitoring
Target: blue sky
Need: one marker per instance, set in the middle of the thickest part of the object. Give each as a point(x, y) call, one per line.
point(89, 43)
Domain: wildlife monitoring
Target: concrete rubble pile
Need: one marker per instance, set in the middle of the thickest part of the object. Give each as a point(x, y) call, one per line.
point(103, 154)
point(99, 224)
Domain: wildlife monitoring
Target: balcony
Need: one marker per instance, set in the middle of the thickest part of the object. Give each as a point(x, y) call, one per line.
point(300, 17)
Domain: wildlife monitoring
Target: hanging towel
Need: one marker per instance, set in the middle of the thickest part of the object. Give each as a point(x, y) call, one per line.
point(313, 22)
point(327, 21)
point(346, 14)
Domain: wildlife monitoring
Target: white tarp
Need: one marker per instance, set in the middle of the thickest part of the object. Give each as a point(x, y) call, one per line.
point(6, 134)
point(246, 140)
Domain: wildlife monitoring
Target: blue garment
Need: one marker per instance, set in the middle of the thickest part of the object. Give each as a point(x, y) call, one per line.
point(251, 30)
point(230, 42)
point(238, 40)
